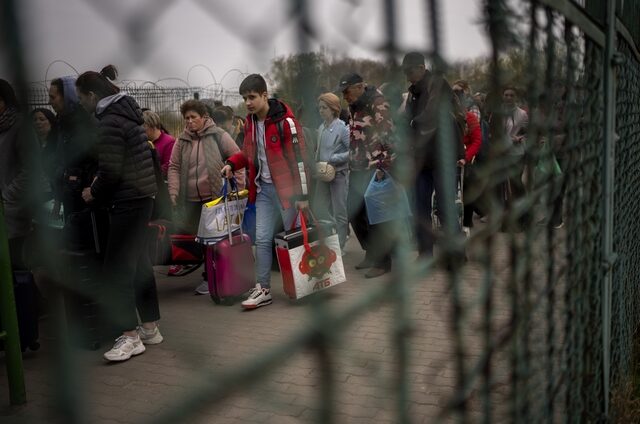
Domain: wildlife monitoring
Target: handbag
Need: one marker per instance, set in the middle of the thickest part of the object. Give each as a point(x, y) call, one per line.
point(325, 172)
point(309, 258)
point(386, 200)
point(214, 221)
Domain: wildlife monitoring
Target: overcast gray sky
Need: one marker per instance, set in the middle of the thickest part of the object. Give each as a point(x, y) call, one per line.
point(178, 35)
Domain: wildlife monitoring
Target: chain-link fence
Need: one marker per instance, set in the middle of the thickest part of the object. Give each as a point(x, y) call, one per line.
point(538, 323)
point(164, 100)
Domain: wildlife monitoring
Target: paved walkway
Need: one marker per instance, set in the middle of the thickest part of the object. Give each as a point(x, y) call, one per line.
point(202, 337)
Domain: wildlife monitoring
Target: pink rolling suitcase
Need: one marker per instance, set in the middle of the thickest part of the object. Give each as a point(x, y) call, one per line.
point(229, 264)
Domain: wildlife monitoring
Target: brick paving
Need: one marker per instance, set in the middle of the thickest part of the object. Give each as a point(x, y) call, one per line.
point(203, 338)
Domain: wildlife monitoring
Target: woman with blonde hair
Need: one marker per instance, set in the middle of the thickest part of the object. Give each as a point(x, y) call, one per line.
point(332, 156)
point(162, 141)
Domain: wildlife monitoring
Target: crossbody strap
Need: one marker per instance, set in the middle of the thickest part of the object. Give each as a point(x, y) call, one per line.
point(299, 165)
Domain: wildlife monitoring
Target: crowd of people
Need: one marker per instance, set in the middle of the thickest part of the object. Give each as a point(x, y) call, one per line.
point(100, 153)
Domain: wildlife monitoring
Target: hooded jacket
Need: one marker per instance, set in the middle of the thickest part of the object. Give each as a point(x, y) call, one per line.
point(287, 177)
point(76, 159)
point(213, 146)
point(125, 164)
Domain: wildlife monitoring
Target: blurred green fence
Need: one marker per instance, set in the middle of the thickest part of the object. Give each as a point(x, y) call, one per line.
point(545, 333)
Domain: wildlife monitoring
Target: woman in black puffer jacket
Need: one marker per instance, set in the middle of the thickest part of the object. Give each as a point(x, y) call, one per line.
point(125, 181)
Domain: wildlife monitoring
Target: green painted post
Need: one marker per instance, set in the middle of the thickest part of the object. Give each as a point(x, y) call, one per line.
point(9, 317)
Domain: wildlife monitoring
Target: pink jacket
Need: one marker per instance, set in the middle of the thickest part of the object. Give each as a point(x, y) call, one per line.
point(164, 146)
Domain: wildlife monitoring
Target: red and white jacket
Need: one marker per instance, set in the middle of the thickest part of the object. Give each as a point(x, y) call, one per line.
point(289, 176)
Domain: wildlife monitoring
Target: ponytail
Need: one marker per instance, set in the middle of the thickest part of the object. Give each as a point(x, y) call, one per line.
point(99, 82)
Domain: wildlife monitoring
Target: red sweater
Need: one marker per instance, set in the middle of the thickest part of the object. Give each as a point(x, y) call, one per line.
point(472, 137)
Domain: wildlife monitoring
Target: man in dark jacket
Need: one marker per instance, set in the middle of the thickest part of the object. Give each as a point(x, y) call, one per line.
point(428, 94)
point(370, 148)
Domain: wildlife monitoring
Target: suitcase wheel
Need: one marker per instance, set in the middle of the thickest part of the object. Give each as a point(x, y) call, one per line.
point(216, 299)
point(228, 301)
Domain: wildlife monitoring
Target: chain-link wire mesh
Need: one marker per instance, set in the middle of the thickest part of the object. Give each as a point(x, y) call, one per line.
point(515, 332)
point(164, 100)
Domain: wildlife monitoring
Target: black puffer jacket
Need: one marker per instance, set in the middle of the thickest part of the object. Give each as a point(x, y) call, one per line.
point(125, 164)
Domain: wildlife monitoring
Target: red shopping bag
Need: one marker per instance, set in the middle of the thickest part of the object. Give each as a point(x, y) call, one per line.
point(310, 259)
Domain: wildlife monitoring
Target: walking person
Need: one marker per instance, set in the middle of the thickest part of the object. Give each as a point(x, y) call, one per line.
point(277, 185)
point(125, 181)
point(194, 169)
point(472, 143)
point(332, 149)
point(515, 122)
point(427, 95)
point(370, 149)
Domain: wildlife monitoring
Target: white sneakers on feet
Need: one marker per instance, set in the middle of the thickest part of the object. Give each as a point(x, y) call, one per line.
point(150, 337)
point(124, 348)
point(258, 296)
point(203, 288)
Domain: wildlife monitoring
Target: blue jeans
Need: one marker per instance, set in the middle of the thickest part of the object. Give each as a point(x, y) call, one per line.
point(268, 210)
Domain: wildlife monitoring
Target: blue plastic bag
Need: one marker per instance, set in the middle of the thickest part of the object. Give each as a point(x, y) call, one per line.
point(386, 200)
point(249, 221)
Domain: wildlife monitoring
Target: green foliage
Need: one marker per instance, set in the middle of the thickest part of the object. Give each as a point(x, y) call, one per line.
point(300, 78)
point(517, 68)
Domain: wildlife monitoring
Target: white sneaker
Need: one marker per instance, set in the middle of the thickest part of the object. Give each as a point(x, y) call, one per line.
point(258, 297)
point(203, 288)
point(124, 348)
point(150, 337)
point(466, 231)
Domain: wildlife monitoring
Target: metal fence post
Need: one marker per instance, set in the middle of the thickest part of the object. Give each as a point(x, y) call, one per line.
point(9, 332)
point(608, 198)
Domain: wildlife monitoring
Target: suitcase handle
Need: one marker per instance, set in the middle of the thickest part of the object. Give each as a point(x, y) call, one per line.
point(225, 194)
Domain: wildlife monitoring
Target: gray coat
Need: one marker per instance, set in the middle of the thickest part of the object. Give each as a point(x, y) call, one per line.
point(18, 178)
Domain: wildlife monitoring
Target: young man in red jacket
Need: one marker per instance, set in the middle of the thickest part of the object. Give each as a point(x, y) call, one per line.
point(277, 178)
